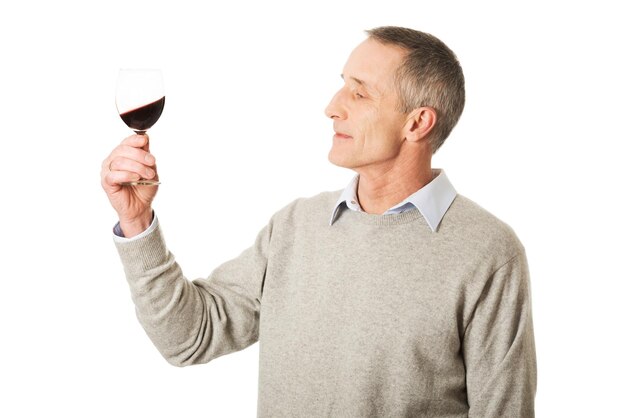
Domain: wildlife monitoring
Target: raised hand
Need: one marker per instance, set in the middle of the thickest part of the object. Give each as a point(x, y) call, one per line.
point(130, 161)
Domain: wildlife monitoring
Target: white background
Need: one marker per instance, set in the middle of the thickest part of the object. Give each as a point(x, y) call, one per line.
point(540, 144)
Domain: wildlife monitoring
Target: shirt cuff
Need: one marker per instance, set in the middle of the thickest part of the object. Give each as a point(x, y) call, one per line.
point(118, 235)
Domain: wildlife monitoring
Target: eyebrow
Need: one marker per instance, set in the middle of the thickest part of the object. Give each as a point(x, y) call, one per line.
point(360, 82)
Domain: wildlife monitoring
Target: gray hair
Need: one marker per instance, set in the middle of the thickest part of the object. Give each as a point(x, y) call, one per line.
point(430, 75)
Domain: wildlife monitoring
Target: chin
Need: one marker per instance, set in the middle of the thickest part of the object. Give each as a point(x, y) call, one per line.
point(337, 159)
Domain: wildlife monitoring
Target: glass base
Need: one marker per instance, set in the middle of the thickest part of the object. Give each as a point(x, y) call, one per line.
point(142, 183)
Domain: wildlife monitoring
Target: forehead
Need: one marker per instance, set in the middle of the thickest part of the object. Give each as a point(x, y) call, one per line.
point(375, 63)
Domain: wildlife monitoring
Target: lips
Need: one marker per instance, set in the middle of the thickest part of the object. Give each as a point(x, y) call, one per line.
point(341, 135)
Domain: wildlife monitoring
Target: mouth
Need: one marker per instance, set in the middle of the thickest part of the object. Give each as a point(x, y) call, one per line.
point(341, 135)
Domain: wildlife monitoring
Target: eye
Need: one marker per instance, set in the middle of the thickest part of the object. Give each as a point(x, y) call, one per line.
point(359, 95)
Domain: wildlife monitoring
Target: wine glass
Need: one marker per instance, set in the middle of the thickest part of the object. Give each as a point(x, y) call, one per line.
point(140, 100)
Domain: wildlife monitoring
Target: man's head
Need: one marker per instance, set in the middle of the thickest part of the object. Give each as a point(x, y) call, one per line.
point(430, 76)
point(401, 87)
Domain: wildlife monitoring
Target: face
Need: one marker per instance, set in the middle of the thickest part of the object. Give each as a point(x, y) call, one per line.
point(368, 127)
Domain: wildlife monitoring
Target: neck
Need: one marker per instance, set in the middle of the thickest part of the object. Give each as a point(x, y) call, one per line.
point(381, 189)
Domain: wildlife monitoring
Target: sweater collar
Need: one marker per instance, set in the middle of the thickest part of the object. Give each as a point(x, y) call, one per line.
point(432, 200)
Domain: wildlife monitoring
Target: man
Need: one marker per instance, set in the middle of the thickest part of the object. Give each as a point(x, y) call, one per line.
point(395, 297)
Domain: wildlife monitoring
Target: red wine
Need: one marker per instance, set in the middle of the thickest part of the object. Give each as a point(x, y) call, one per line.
point(144, 117)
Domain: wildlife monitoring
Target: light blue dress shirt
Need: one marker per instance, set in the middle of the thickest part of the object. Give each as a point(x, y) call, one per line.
point(432, 200)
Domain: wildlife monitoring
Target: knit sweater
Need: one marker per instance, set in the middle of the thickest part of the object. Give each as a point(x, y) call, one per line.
point(372, 316)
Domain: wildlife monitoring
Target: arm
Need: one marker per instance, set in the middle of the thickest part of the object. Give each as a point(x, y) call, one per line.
point(499, 346)
point(195, 322)
point(189, 322)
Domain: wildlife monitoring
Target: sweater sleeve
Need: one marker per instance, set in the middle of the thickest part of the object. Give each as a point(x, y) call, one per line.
point(195, 322)
point(499, 346)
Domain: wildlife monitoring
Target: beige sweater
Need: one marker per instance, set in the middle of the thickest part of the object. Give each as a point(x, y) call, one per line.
point(374, 316)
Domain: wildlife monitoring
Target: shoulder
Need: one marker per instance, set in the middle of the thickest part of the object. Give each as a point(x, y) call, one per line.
point(315, 209)
point(475, 226)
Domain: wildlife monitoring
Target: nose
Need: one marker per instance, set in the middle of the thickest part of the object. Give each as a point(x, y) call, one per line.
point(336, 108)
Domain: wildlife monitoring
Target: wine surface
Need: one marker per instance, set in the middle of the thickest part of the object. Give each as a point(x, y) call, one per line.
point(144, 117)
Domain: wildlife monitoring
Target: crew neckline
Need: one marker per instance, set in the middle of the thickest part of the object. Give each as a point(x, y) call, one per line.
point(382, 220)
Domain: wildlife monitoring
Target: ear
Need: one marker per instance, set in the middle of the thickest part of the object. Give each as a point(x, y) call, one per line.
point(420, 123)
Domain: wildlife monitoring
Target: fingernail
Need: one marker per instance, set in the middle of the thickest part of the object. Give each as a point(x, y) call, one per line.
point(150, 173)
point(149, 159)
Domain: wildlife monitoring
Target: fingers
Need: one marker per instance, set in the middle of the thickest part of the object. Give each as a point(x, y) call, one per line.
point(137, 141)
point(132, 166)
point(117, 178)
point(129, 161)
point(121, 171)
point(136, 154)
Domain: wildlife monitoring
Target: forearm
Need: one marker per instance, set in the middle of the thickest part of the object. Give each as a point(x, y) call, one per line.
point(188, 322)
point(168, 306)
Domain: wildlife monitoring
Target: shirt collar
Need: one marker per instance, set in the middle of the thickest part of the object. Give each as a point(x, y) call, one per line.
point(432, 200)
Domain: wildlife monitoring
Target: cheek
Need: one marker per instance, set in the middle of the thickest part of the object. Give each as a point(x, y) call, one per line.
point(367, 124)
point(387, 137)
point(377, 131)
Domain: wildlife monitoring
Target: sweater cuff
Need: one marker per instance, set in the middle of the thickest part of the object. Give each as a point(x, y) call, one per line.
point(144, 253)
